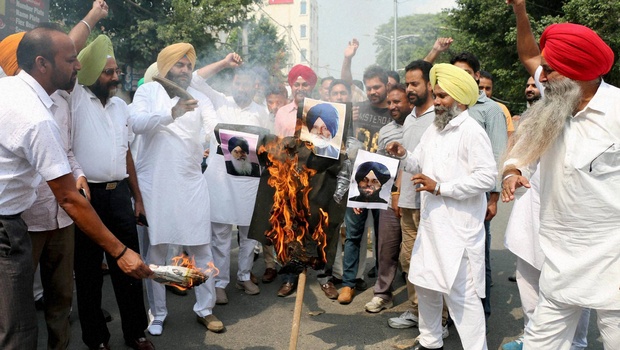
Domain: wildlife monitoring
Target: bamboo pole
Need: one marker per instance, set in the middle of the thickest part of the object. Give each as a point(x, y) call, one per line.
point(299, 300)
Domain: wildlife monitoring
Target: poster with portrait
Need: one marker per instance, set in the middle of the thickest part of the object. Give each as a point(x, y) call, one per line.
point(239, 151)
point(371, 180)
point(323, 125)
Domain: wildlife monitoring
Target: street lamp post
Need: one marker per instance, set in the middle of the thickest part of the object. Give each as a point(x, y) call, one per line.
point(394, 46)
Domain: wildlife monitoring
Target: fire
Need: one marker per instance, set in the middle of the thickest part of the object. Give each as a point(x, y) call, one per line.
point(195, 275)
point(291, 206)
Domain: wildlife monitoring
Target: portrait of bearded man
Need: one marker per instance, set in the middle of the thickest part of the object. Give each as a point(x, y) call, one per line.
point(370, 178)
point(239, 164)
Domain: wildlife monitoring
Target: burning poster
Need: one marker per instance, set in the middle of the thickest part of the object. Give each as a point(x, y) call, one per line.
point(323, 126)
point(371, 180)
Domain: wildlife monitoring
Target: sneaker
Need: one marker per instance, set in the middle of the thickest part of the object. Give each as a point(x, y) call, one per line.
point(220, 296)
point(156, 327)
point(211, 322)
point(516, 344)
point(405, 320)
point(377, 304)
point(248, 286)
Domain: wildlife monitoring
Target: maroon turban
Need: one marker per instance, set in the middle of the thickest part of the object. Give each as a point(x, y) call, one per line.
point(302, 71)
point(575, 51)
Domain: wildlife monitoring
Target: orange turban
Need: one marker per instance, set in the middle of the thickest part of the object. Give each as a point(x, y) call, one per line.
point(575, 51)
point(8, 53)
point(302, 71)
point(171, 54)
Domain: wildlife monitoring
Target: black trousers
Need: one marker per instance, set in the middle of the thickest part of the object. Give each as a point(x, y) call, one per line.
point(115, 210)
point(18, 319)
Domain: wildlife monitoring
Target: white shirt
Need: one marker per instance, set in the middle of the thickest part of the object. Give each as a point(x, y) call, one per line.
point(30, 142)
point(174, 191)
point(579, 218)
point(100, 135)
point(235, 195)
point(460, 159)
point(414, 128)
point(45, 214)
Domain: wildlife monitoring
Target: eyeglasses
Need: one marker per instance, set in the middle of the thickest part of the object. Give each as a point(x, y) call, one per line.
point(111, 71)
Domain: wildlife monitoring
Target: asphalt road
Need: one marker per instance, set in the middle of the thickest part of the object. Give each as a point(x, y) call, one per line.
point(263, 321)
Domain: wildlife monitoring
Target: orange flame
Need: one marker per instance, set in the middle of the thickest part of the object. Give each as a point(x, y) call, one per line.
point(189, 262)
point(291, 206)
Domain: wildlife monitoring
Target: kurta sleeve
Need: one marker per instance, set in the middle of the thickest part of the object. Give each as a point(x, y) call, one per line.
point(143, 119)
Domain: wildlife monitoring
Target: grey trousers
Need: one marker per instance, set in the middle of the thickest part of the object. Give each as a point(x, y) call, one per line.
point(18, 320)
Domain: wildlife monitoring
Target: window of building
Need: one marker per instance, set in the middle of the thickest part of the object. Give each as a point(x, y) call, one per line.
point(303, 9)
point(302, 31)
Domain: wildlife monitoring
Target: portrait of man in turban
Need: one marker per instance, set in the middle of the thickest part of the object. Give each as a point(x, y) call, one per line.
point(322, 123)
point(239, 163)
point(370, 178)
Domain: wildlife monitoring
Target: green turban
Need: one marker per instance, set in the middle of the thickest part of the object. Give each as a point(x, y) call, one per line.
point(93, 59)
point(456, 82)
point(171, 54)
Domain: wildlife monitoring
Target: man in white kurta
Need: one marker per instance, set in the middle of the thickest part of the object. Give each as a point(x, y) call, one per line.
point(577, 151)
point(168, 166)
point(454, 166)
point(235, 195)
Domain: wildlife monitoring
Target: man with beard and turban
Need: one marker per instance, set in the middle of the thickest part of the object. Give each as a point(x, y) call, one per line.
point(322, 123)
point(572, 137)
point(370, 177)
point(235, 195)
point(447, 261)
point(302, 80)
point(100, 142)
point(175, 192)
point(419, 92)
point(239, 164)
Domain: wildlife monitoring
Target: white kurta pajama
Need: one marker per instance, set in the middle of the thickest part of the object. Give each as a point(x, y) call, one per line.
point(232, 197)
point(175, 193)
point(448, 255)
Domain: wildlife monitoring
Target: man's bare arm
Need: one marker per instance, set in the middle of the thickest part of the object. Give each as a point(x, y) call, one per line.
point(349, 52)
point(232, 60)
point(527, 48)
point(80, 32)
point(441, 45)
point(85, 217)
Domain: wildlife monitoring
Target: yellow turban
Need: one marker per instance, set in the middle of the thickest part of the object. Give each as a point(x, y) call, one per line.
point(171, 54)
point(151, 71)
point(93, 59)
point(456, 82)
point(8, 53)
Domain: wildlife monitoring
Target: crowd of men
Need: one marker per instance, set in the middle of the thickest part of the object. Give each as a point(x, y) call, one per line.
point(84, 176)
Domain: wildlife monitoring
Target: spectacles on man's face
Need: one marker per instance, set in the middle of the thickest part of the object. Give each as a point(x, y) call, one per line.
point(110, 71)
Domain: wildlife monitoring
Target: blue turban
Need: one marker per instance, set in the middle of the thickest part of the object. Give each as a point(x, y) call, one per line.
point(237, 141)
point(327, 113)
point(381, 171)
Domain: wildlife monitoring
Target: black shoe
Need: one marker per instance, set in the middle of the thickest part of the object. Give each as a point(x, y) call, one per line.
point(512, 278)
point(176, 290)
point(361, 285)
point(106, 315)
point(335, 280)
point(373, 272)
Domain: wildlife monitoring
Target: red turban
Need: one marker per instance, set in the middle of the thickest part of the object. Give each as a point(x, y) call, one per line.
point(302, 71)
point(575, 51)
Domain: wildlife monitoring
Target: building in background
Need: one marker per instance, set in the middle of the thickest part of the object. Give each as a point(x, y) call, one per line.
point(298, 23)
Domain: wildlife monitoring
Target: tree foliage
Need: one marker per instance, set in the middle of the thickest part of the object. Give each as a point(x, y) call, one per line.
point(487, 28)
point(139, 29)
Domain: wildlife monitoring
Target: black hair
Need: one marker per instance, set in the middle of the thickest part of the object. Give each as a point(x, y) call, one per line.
point(394, 74)
point(468, 58)
point(423, 66)
point(375, 71)
point(37, 42)
point(337, 82)
point(487, 75)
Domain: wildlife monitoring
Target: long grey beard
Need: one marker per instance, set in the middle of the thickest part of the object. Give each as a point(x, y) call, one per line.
point(242, 167)
point(441, 120)
point(543, 122)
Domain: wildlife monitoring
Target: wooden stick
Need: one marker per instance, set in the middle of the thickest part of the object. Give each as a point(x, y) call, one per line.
point(299, 300)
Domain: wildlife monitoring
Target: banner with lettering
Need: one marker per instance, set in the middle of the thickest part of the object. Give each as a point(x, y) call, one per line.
point(21, 15)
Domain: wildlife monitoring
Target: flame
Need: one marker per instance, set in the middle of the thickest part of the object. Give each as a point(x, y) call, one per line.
point(291, 206)
point(190, 263)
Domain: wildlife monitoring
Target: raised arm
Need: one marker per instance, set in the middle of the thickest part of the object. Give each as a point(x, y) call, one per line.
point(349, 52)
point(232, 60)
point(441, 45)
point(527, 48)
point(80, 32)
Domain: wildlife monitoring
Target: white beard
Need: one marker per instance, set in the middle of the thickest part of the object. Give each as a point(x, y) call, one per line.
point(320, 142)
point(242, 167)
point(544, 121)
point(441, 120)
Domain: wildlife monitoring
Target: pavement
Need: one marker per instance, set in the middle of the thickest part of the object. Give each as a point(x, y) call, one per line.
point(263, 321)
